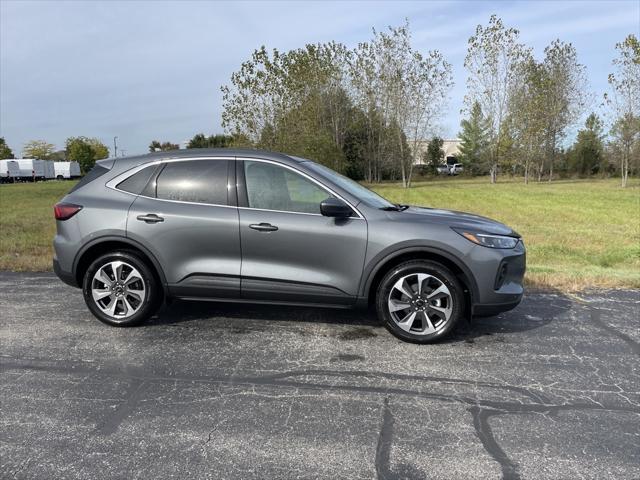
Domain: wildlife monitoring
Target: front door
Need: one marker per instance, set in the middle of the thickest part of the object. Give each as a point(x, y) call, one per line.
point(191, 226)
point(290, 252)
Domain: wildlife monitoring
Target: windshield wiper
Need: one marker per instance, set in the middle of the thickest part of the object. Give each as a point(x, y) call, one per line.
point(396, 207)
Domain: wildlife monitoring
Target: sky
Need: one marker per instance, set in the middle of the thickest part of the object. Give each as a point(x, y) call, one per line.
point(145, 70)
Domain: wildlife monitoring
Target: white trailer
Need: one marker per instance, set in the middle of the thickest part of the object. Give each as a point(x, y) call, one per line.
point(49, 169)
point(64, 170)
point(9, 171)
point(31, 169)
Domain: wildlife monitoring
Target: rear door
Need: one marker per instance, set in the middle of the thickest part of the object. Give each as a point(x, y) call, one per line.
point(187, 216)
point(290, 252)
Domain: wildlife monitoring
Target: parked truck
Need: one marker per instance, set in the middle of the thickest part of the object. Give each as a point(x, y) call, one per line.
point(9, 171)
point(66, 170)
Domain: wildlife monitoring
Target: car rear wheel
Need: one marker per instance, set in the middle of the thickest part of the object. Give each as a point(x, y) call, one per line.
point(120, 289)
point(420, 301)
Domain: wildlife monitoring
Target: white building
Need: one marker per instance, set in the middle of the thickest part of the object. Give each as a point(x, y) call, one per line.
point(451, 149)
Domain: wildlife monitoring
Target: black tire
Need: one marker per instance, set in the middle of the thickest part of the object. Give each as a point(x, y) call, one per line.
point(438, 273)
point(151, 299)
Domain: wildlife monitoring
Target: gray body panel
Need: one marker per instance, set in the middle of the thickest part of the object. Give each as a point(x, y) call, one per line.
point(209, 252)
point(309, 256)
point(198, 245)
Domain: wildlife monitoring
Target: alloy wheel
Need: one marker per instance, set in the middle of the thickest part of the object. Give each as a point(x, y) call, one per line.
point(118, 289)
point(420, 303)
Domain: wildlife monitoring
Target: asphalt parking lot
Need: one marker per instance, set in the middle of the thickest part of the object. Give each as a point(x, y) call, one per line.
point(550, 390)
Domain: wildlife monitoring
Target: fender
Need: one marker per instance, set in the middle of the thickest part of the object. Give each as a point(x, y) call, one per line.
point(377, 262)
point(129, 241)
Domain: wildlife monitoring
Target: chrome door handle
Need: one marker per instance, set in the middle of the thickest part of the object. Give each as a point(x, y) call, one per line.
point(150, 218)
point(263, 227)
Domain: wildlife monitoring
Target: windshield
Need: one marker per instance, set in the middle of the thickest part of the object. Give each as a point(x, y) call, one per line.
point(354, 188)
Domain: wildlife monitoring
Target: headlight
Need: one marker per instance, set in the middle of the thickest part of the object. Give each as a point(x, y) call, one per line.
point(487, 240)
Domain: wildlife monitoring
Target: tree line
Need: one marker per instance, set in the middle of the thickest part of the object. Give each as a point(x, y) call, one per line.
point(360, 111)
point(365, 111)
point(86, 151)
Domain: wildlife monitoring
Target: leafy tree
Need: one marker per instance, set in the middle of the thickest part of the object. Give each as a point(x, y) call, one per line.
point(212, 141)
point(435, 153)
point(400, 86)
point(85, 151)
point(59, 156)
point(564, 95)
point(492, 60)
point(156, 146)
point(625, 100)
point(586, 157)
point(5, 151)
point(526, 120)
point(38, 149)
point(474, 140)
point(360, 111)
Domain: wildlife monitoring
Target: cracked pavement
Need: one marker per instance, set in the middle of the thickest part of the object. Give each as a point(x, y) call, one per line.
point(206, 390)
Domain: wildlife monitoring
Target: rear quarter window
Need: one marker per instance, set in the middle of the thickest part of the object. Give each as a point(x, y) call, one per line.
point(135, 183)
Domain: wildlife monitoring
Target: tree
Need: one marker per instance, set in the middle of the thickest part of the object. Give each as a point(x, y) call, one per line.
point(212, 141)
point(586, 157)
point(625, 102)
point(85, 151)
point(526, 118)
point(38, 149)
point(474, 140)
point(5, 151)
point(492, 61)
point(435, 153)
point(397, 85)
point(565, 85)
point(361, 110)
point(156, 146)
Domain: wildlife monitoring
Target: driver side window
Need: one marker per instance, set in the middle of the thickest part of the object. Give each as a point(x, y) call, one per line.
point(271, 187)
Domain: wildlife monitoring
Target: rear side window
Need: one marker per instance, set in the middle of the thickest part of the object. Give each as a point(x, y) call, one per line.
point(198, 181)
point(94, 173)
point(136, 182)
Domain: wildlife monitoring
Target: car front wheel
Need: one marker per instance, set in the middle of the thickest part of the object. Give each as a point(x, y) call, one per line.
point(120, 289)
point(420, 301)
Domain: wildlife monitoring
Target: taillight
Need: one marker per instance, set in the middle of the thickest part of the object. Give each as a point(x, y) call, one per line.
point(64, 211)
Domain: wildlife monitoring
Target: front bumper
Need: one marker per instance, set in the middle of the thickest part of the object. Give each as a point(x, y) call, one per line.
point(500, 280)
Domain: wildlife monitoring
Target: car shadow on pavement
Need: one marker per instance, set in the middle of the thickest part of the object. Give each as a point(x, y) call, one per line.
point(535, 311)
point(187, 311)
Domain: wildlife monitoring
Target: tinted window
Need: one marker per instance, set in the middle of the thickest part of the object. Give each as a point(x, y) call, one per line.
point(94, 173)
point(136, 182)
point(199, 181)
point(272, 187)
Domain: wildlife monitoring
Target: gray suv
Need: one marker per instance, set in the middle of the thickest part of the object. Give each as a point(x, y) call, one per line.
point(261, 227)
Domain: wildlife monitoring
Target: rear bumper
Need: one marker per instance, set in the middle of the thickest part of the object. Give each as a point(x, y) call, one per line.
point(66, 277)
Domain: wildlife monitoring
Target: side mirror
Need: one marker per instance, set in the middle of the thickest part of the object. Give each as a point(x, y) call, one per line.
point(334, 207)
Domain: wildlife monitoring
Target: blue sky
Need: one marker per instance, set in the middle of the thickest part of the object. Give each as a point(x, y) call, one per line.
point(145, 70)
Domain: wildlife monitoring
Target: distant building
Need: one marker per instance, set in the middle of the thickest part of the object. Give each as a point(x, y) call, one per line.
point(451, 149)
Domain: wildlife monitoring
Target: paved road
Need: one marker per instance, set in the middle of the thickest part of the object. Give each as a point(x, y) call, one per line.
point(550, 390)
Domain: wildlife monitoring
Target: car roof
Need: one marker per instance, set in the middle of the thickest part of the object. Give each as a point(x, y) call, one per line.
point(200, 152)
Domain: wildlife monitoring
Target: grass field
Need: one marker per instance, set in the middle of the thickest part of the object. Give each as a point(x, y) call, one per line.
point(582, 233)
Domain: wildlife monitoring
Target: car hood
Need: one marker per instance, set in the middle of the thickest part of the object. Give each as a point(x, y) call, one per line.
point(456, 219)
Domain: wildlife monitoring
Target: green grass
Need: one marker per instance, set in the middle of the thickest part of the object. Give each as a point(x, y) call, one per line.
point(579, 233)
point(27, 225)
